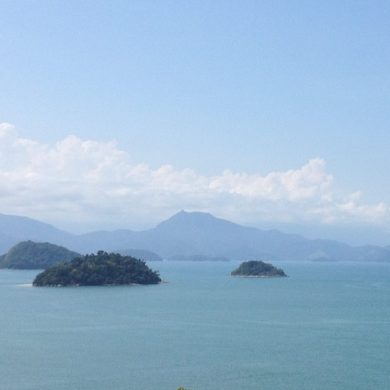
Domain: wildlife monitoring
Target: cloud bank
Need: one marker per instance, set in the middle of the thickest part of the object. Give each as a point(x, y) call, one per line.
point(93, 183)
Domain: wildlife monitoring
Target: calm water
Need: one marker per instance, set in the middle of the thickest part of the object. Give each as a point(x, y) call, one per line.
point(325, 327)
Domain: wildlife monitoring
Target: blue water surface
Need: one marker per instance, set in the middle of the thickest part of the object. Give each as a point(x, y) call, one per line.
point(326, 326)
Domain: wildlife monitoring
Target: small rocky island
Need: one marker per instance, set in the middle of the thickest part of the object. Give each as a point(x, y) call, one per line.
point(258, 269)
point(99, 269)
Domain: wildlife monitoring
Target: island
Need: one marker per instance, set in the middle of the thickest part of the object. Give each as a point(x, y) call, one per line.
point(258, 269)
point(35, 255)
point(99, 269)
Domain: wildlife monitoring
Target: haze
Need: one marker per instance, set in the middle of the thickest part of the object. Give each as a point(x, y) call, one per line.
point(274, 115)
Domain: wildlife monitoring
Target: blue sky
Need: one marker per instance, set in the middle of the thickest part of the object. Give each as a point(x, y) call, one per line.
point(253, 87)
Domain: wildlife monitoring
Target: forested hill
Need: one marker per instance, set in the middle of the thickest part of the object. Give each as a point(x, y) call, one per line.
point(35, 255)
point(98, 270)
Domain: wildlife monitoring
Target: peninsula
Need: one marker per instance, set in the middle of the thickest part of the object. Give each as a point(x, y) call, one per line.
point(258, 269)
point(98, 270)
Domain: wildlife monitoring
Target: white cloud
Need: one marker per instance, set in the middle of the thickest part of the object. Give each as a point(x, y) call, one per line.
point(94, 182)
point(308, 182)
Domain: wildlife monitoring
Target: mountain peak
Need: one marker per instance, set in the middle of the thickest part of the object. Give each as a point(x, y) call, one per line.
point(193, 220)
point(190, 218)
point(192, 214)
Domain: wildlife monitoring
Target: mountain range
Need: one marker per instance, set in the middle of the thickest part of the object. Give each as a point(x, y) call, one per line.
point(192, 235)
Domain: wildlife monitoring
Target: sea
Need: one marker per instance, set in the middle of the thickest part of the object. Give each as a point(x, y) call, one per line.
point(325, 327)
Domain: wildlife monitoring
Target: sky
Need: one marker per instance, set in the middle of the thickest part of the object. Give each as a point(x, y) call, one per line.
point(269, 113)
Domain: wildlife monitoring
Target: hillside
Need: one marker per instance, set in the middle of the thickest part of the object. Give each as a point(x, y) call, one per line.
point(14, 229)
point(33, 255)
point(197, 258)
point(141, 254)
point(188, 234)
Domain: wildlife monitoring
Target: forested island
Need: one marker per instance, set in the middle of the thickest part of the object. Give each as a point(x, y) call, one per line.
point(258, 269)
point(98, 270)
point(35, 255)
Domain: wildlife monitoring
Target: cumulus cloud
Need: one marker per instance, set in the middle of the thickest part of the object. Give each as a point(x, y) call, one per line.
point(307, 182)
point(94, 182)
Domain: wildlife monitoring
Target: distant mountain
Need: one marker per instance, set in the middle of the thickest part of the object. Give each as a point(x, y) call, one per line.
point(196, 258)
point(186, 234)
point(114, 241)
point(140, 254)
point(35, 255)
point(6, 242)
point(14, 229)
point(189, 234)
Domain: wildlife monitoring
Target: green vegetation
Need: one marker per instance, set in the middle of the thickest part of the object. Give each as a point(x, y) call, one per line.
point(35, 255)
point(97, 270)
point(257, 269)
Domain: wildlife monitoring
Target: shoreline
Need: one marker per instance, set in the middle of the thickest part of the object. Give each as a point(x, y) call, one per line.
point(259, 276)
